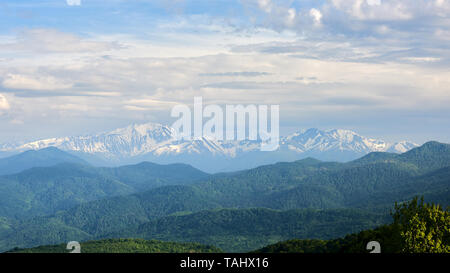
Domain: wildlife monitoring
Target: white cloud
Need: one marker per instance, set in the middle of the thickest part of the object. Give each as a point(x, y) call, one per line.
point(385, 10)
point(386, 67)
point(422, 59)
point(16, 121)
point(73, 2)
point(374, 2)
point(278, 15)
point(375, 10)
point(18, 81)
point(265, 5)
point(316, 15)
point(4, 105)
point(54, 41)
point(382, 29)
point(292, 14)
point(440, 3)
point(71, 107)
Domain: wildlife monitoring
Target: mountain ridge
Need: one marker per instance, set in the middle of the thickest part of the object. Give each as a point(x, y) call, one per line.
point(156, 143)
point(42, 190)
point(372, 186)
point(46, 157)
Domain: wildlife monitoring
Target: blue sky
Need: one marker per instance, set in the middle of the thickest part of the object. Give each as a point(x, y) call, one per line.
point(379, 67)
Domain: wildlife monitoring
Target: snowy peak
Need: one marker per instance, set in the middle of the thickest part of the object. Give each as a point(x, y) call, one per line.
point(154, 141)
point(343, 140)
point(123, 142)
point(155, 131)
point(401, 147)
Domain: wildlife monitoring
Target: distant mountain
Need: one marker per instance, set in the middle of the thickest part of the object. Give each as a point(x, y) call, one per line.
point(46, 157)
point(155, 142)
point(371, 184)
point(46, 190)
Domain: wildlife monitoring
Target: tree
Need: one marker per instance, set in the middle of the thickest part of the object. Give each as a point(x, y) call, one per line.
point(424, 228)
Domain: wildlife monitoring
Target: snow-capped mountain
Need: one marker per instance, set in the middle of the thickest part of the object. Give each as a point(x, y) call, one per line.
point(339, 140)
point(157, 143)
point(124, 142)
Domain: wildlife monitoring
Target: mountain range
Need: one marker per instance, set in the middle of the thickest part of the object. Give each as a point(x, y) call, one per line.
point(237, 211)
point(156, 143)
point(46, 190)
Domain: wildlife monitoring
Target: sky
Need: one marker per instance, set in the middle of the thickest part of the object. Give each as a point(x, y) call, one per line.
point(76, 67)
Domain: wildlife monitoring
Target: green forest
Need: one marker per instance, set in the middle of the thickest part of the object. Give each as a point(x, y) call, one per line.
point(126, 246)
point(417, 227)
point(308, 199)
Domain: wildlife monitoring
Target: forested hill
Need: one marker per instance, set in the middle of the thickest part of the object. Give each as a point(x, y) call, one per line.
point(371, 184)
point(126, 246)
point(46, 190)
point(41, 158)
point(417, 227)
point(233, 230)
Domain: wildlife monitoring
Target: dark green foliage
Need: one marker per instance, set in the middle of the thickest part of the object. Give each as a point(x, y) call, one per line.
point(41, 191)
point(434, 186)
point(44, 231)
point(95, 218)
point(146, 175)
point(234, 230)
point(254, 227)
point(372, 184)
point(424, 228)
point(110, 215)
point(353, 243)
point(5, 226)
point(430, 156)
point(310, 183)
point(126, 246)
point(46, 190)
point(418, 227)
point(298, 246)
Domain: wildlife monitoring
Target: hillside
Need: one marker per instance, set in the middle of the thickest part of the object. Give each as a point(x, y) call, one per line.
point(417, 227)
point(371, 184)
point(241, 230)
point(47, 190)
point(233, 230)
point(126, 246)
point(36, 158)
point(430, 156)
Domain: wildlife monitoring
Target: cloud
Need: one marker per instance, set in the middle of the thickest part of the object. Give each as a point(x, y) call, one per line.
point(235, 74)
point(375, 10)
point(386, 10)
point(73, 2)
point(377, 58)
point(54, 41)
point(265, 5)
point(4, 105)
point(422, 59)
point(16, 121)
point(18, 81)
point(71, 107)
point(277, 15)
point(388, 19)
point(316, 15)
